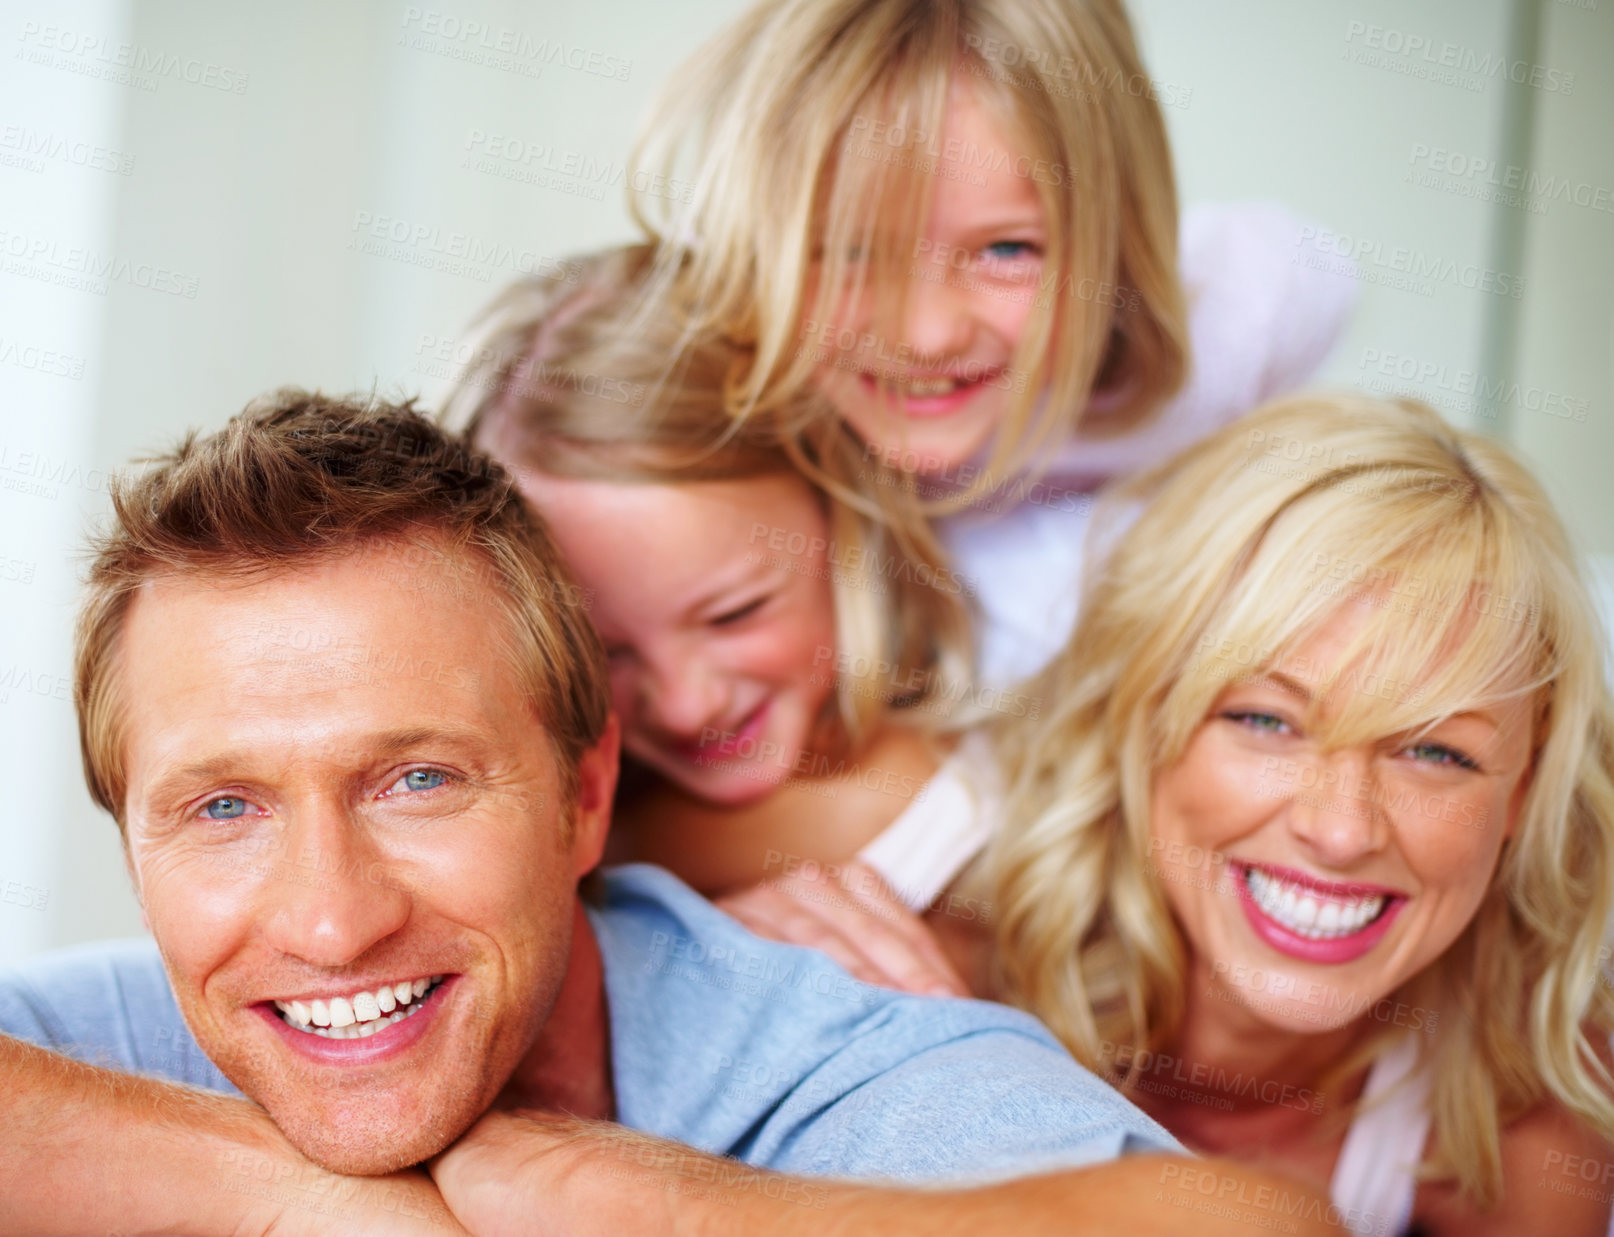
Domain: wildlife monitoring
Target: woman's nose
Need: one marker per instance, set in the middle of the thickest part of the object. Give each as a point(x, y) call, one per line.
point(1338, 817)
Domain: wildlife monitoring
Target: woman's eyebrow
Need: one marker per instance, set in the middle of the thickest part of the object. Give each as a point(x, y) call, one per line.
point(1285, 683)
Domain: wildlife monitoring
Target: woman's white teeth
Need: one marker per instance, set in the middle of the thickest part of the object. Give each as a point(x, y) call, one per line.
point(1308, 915)
point(360, 1015)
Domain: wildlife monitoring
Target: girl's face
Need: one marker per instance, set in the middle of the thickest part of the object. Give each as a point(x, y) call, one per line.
point(713, 600)
point(1310, 885)
point(929, 392)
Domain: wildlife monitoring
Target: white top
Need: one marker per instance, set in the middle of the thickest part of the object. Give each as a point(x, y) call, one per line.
point(1259, 324)
point(945, 826)
point(1374, 1183)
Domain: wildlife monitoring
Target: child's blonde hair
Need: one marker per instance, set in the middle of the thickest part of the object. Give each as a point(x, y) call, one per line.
point(1251, 542)
point(775, 110)
point(566, 375)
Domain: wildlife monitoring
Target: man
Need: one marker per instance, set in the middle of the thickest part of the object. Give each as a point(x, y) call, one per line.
point(348, 712)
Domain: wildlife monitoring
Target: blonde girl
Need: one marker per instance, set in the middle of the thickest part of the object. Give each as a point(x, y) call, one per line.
point(777, 657)
point(957, 221)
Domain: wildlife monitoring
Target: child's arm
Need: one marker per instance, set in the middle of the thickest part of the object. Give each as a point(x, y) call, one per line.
point(825, 817)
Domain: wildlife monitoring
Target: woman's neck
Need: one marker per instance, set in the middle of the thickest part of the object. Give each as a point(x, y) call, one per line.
point(1235, 1078)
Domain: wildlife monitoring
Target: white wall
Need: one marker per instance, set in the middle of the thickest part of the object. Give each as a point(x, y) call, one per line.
point(256, 201)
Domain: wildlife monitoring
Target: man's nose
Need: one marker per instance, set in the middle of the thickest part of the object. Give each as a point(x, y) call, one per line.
point(336, 894)
point(1339, 819)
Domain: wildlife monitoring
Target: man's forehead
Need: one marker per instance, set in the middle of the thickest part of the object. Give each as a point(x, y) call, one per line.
point(319, 653)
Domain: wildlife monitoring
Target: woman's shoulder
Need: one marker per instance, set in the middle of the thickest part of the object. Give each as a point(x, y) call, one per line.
point(1557, 1175)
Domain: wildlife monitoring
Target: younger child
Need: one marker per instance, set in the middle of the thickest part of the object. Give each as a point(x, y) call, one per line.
point(777, 657)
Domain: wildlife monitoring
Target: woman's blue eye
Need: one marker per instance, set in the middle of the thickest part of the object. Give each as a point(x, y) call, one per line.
point(229, 807)
point(1267, 723)
point(423, 779)
point(1440, 754)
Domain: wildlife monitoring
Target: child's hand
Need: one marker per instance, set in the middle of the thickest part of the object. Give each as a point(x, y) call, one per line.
point(858, 921)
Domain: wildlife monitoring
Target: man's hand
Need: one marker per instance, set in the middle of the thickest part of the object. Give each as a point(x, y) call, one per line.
point(523, 1176)
point(307, 1201)
point(859, 921)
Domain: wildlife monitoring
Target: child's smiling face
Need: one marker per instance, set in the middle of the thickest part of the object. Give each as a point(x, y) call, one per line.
point(929, 392)
point(715, 605)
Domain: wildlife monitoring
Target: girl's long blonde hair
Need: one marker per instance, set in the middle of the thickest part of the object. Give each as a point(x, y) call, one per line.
point(563, 374)
point(807, 132)
point(1248, 543)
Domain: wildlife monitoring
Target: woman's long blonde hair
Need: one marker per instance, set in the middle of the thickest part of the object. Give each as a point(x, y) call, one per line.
point(564, 375)
point(766, 136)
point(1247, 544)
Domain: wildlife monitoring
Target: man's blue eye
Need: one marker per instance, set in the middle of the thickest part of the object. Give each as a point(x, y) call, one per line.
point(227, 808)
point(424, 779)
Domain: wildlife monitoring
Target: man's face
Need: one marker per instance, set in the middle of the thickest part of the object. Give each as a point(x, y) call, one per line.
point(338, 795)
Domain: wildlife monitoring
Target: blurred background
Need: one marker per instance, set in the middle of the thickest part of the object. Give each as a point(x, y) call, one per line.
point(200, 201)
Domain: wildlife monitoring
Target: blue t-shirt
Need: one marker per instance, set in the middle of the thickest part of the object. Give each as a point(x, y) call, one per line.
point(739, 1046)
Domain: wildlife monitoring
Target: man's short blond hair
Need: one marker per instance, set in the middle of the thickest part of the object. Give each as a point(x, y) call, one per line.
point(298, 477)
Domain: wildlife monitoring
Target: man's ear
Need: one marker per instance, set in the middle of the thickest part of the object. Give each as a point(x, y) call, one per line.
point(596, 789)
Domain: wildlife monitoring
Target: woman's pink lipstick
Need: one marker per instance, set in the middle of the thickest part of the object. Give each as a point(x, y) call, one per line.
point(1331, 950)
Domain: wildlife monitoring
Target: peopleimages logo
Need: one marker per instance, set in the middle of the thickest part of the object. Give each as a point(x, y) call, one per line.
point(1373, 261)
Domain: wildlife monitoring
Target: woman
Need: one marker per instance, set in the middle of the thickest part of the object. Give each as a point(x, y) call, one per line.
point(1312, 849)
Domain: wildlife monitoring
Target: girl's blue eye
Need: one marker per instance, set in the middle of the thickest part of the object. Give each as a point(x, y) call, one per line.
point(227, 807)
point(1440, 754)
point(423, 779)
point(1008, 251)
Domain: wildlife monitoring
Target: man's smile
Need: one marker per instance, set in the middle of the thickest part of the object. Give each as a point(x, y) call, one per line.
point(359, 1014)
point(362, 1027)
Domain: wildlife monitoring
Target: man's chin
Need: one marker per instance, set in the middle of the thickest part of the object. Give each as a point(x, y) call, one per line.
point(349, 1144)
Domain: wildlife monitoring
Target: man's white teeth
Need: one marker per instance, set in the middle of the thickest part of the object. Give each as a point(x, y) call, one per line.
point(360, 1015)
point(1307, 914)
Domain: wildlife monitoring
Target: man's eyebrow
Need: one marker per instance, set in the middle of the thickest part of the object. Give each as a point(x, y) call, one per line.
point(386, 743)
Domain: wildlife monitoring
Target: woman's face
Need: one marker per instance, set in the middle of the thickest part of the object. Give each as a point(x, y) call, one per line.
point(714, 602)
point(929, 392)
point(1310, 885)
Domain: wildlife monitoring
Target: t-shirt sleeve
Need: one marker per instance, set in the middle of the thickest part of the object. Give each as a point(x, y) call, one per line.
point(986, 1106)
point(1264, 312)
point(106, 1005)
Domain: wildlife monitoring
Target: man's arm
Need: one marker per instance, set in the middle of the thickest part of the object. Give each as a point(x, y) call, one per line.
point(539, 1175)
point(88, 1150)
